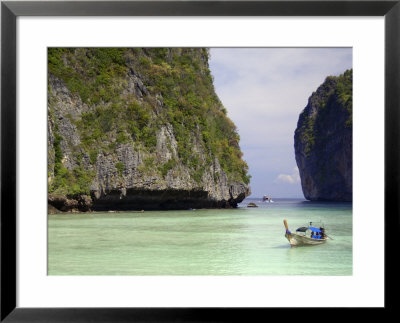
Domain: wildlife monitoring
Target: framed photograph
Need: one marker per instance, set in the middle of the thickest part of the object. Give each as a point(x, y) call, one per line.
point(197, 160)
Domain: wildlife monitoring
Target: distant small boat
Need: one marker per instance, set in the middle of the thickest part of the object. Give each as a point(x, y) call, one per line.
point(307, 235)
point(267, 198)
point(252, 205)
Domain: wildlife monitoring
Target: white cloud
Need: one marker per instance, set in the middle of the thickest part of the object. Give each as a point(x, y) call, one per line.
point(265, 89)
point(291, 179)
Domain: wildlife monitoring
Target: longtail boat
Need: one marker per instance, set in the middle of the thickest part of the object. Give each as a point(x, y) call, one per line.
point(307, 235)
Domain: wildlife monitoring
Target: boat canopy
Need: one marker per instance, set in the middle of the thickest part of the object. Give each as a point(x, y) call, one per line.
point(304, 229)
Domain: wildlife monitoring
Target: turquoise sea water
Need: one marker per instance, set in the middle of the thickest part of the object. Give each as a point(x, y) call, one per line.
point(242, 241)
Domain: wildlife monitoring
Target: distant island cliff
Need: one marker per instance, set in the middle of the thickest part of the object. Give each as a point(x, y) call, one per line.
point(139, 128)
point(323, 141)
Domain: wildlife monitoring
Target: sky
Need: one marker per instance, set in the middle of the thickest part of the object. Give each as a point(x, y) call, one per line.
point(264, 90)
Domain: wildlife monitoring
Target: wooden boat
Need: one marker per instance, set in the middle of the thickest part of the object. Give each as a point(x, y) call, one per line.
point(303, 236)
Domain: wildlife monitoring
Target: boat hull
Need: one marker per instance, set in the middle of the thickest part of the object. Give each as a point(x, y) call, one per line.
point(300, 240)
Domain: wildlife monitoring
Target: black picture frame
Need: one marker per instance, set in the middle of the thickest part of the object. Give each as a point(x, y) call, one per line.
point(10, 10)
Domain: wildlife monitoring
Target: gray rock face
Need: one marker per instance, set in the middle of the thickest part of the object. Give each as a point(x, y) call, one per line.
point(323, 142)
point(127, 178)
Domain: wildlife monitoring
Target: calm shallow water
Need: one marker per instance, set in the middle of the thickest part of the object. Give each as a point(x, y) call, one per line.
point(242, 241)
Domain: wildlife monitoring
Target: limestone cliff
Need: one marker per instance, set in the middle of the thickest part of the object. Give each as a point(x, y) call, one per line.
point(140, 128)
point(323, 141)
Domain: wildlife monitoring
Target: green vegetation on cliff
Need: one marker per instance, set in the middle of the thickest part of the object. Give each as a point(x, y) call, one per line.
point(323, 141)
point(335, 89)
point(177, 91)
